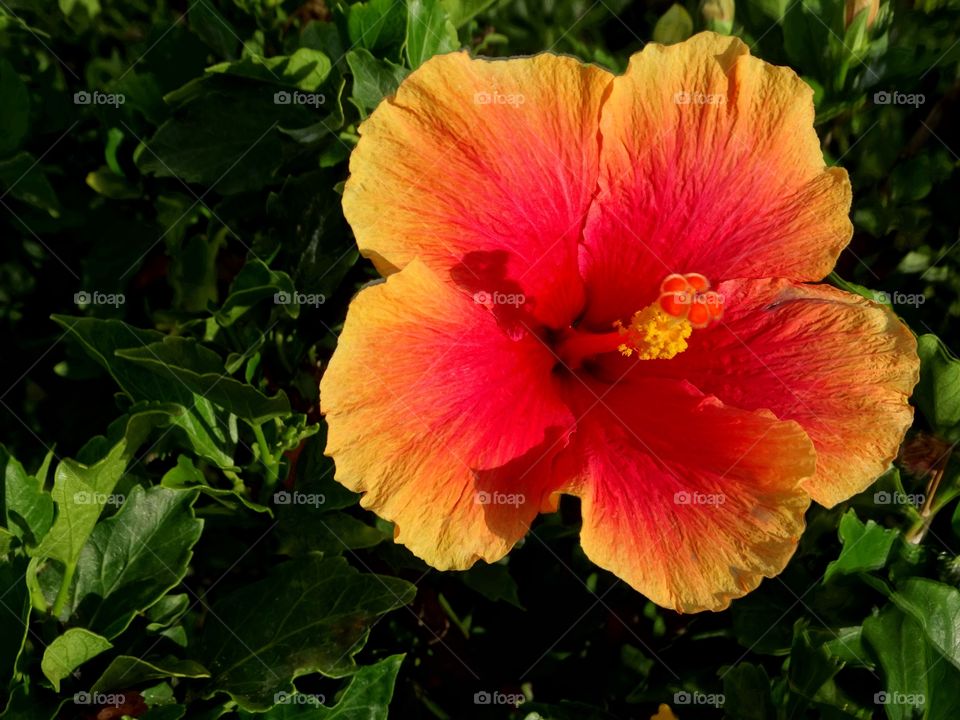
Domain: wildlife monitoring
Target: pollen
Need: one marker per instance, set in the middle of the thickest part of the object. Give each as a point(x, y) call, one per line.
point(657, 332)
point(653, 334)
point(660, 331)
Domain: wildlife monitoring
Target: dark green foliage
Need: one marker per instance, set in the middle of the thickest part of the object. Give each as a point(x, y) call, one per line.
point(175, 269)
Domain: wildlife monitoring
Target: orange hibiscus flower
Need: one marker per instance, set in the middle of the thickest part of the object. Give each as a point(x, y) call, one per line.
point(596, 285)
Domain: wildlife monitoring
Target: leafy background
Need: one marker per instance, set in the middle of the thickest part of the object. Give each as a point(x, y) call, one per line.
point(173, 545)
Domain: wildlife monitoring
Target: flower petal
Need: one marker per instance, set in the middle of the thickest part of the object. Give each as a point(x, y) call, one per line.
point(709, 164)
point(447, 424)
point(485, 171)
point(689, 501)
point(841, 366)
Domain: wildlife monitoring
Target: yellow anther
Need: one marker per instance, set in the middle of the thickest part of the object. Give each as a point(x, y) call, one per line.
point(653, 334)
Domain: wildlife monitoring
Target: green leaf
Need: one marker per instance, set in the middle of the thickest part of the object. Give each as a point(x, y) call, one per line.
point(848, 647)
point(329, 533)
point(91, 8)
point(674, 26)
point(211, 433)
point(167, 610)
point(28, 701)
point(186, 476)
point(15, 617)
point(494, 582)
point(762, 620)
point(373, 79)
point(746, 691)
point(222, 140)
point(14, 110)
point(107, 183)
point(811, 667)
point(185, 361)
point(376, 25)
point(305, 69)
point(429, 31)
point(22, 178)
point(127, 671)
point(938, 393)
point(308, 615)
point(366, 697)
point(255, 283)
point(805, 37)
point(69, 651)
point(310, 233)
point(27, 508)
point(914, 673)
point(133, 558)
point(936, 607)
point(213, 28)
point(463, 11)
point(866, 547)
point(80, 492)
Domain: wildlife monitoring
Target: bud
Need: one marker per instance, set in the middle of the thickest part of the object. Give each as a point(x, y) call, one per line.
point(852, 8)
point(674, 26)
point(718, 15)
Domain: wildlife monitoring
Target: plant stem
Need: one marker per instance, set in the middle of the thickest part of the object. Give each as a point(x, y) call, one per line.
point(266, 457)
point(64, 591)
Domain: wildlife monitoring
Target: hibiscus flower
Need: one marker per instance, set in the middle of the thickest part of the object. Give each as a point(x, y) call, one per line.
point(599, 286)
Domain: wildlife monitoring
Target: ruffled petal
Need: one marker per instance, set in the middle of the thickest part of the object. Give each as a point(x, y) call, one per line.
point(709, 164)
point(485, 171)
point(689, 501)
point(444, 422)
point(841, 366)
